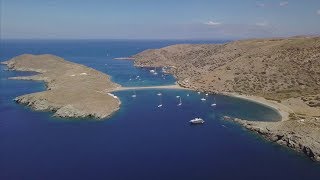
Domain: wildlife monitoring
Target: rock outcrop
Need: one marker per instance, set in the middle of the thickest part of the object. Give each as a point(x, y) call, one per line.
point(300, 135)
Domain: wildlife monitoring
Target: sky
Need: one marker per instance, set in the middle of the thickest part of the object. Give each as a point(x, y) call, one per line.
point(158, 19)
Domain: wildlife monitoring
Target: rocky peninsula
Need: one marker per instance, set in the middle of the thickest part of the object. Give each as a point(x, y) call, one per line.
point(283, 73)
point(72, 90)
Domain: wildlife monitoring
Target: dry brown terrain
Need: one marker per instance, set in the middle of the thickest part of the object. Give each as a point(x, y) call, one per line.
point(286, 71)
point(73, 90)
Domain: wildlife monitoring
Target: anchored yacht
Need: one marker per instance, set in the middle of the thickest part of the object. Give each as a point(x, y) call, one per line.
point(214, 103)
point(197, 121)
point(180, 102)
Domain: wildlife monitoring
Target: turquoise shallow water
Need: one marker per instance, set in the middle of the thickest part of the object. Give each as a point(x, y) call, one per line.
point(140, 141)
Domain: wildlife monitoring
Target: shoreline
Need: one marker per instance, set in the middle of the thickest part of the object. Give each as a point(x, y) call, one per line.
point(283, 110)
point(124, 58)
point(126, 88)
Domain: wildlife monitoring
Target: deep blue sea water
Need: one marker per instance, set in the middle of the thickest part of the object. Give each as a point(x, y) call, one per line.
point(140, 141)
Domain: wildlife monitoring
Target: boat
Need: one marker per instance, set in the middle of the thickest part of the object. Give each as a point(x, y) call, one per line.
point(188, 94)
point(180, 102)
point(160, 105)
point(203, 99)
point(214, 103)
point(198, 92)
point(154, 71)
point(159, 94)
point(177, 96)
point(207, 94)
point(134, 94)
point(197, 121)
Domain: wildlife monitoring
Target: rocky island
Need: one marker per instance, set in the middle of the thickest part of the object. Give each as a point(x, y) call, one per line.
point(72, 90)
point(283, 73)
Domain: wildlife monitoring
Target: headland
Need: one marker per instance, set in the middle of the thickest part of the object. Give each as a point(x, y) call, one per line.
point(72, 90)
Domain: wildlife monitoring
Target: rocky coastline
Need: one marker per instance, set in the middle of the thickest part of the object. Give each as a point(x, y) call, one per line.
point(297, 136)
point(72, 90)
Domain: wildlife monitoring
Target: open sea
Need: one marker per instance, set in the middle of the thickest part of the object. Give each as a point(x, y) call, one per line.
point(140, 141)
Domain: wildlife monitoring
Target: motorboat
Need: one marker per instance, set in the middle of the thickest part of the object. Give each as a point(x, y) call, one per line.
point(197, 121)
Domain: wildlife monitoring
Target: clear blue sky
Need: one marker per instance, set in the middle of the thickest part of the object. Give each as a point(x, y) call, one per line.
point(158, 19)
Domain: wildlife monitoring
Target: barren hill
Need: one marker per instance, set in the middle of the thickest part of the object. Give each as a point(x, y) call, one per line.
point(272, 68)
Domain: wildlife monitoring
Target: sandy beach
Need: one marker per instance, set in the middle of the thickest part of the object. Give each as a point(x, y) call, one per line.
point(282, 109)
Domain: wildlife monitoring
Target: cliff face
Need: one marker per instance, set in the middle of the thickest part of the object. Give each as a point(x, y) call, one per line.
point(73, 90)
point(272, 68)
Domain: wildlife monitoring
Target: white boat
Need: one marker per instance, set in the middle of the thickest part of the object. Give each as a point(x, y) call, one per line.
point(134, 94)
point(203, 99)
point(154, 71)
point(198, 92)
point(159, 94)
point(160, 104)
point(207, 94)
point(180, 102)
point(196, 121)
point(188, 94)
point(214, 103)
point(177, 96)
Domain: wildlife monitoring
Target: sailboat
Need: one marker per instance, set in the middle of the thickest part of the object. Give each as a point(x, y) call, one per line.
point(214, 103)
point(160, 105)
point(134, 94)
point(180, 102)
